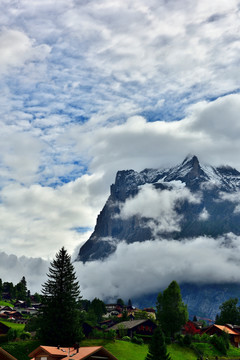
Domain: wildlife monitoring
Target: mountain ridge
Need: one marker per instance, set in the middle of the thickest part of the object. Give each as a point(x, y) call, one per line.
point(204, 182)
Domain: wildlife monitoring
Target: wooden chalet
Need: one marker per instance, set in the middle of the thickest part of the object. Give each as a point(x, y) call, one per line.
point(74, 353)
point(13, 315)
point(140, 327)
point(234, 335)
point(6, 308)
point(20, 304)
point(4, 355)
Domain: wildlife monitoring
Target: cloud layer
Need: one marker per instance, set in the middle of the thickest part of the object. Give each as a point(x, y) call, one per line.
point(156, 264)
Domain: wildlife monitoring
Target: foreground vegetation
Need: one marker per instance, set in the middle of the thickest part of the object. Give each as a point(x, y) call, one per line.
point(124, 350)
point(21, 349)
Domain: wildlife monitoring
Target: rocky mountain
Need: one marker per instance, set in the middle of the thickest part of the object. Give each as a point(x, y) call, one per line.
point(202, 204)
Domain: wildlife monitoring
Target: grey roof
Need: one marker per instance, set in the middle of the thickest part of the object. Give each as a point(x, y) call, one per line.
point(128, 324)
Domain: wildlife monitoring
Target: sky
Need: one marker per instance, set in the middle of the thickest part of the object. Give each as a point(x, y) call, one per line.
point(88, 88)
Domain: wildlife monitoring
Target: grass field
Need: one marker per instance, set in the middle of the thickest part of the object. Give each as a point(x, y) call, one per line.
point(127, 351)
point(5, 303)
point(123, 350)
point(18, 327)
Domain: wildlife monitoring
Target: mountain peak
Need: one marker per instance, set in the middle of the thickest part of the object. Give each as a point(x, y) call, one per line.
point(189, 172)
point(191, 159)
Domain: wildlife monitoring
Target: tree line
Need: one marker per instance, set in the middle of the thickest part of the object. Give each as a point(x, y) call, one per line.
point(17, 292)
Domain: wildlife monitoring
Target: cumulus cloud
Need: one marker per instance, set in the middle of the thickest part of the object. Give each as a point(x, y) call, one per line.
point(13, 268)
point(204, 215)
point(38, 220)
point(17, 48)
point(160, 206)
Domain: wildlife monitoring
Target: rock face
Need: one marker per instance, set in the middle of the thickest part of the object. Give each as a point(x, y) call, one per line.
point(212, 210)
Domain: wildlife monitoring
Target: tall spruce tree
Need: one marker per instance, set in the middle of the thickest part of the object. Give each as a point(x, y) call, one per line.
point(60, 324)
point(21, 289)
point(157, 347)
point(172, 313)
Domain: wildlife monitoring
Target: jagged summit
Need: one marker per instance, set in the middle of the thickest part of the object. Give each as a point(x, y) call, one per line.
point(211, 214)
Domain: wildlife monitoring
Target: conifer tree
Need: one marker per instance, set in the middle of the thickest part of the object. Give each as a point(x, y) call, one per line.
point(59, 320)
point(21, 289)
point(157, 347)
point(172, 313)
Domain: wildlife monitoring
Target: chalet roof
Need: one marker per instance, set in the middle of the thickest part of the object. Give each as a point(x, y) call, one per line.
point(71, 353)
point(224, 328)
point(227, 329)
point(128, 324)
point(4, 355)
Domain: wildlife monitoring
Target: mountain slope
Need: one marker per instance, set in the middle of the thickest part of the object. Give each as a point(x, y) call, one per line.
point(185, 201)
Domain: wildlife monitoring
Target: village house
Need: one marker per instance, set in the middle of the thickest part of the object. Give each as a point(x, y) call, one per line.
point(113, 310)
point(138, 327)
point(4, 355)
point(74, 353)
point(6, 308)
point(234, 335)
point(20, 304)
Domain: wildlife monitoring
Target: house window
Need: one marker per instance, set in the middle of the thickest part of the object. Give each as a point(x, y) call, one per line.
point(43, 357)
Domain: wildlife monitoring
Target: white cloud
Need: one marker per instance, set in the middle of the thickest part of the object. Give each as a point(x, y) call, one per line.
point(204, 215)
point(233, 197)
point(157, 263)
point(38, 220)
point(13, 269)
point(16, 48)
point(160, 206)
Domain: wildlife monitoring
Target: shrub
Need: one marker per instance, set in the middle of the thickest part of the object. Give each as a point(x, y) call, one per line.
point(110, 335)
point(25, 336)
point(122, 331)
point(126, 338)
point(146, 338)
point(96, 334)
point(225, 338)
point(197, 338)
point(205, 338)
point(12, 334)
point(219, 344)
point(187, 340)
point(137, 340)
point(179, 339)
